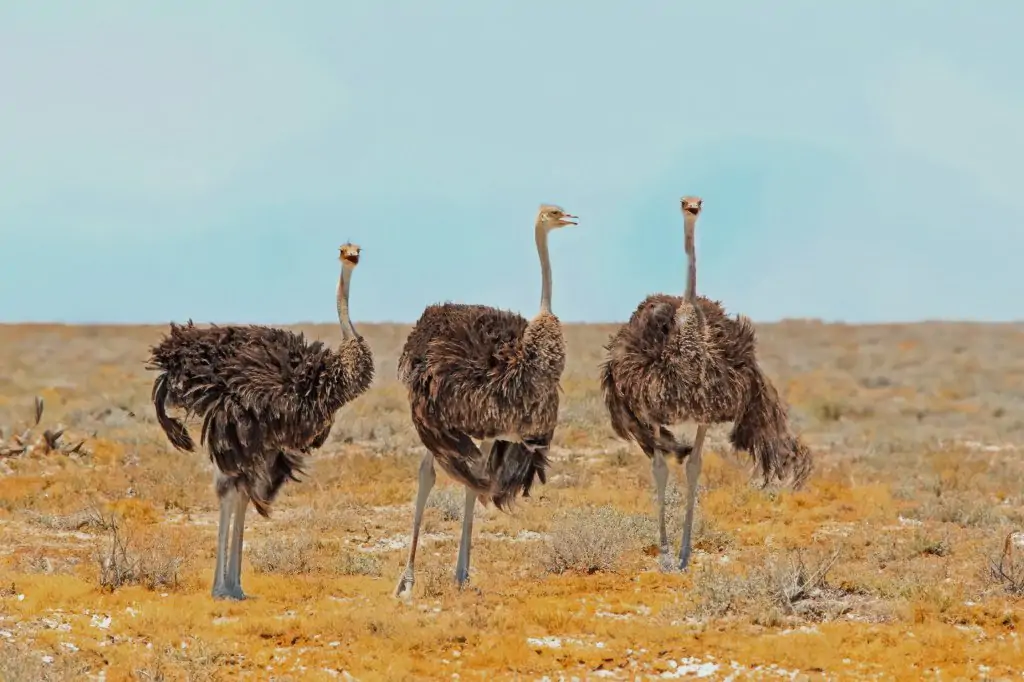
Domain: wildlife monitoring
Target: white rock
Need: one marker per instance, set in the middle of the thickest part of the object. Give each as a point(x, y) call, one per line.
point(101, 622)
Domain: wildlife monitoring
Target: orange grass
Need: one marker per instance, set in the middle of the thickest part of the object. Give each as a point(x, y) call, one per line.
point(880, 568)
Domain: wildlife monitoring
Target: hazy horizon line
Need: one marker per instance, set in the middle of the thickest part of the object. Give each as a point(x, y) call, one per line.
point(313, 323)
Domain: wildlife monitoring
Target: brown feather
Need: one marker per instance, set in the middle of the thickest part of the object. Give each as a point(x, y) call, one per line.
point(266, 397)
point(661, 371)
point(473, 371)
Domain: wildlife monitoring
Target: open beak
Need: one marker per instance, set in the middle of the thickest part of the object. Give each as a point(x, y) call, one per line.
point(568, 220)
point(692, 210)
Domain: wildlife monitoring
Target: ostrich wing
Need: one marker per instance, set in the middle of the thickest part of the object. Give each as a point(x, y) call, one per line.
point(485, 352)
point(457, 344)
point(290, 388)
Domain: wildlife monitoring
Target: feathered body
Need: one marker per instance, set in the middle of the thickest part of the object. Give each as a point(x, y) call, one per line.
point(473, 371)
point(266, 397)
point(670, 363)
point(480, 372)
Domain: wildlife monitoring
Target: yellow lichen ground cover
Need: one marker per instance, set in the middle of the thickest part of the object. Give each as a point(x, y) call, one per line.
point(899, 561)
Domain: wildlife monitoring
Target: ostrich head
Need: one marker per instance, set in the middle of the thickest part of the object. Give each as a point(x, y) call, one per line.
point(551, 217)
point(348, 254)
point(691, 206)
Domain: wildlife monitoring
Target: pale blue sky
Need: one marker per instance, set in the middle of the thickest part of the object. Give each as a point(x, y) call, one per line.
point(858, 160)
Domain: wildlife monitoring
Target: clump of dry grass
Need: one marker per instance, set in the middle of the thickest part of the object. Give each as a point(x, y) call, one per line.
point(828, 411)
point(299, 555)
point(360, 563)
point(924, 544)
point(19, 663)
point(708, 537)
point(436, 582)
point(194, 661)
point(959, 508)
point(1006, 567)
point(897, 547)
point(717, 592)
point(802, 588)
point(88, 519)
point(570, 476)
point(124, 559)
point(284, 555)
point(592, 539)
point(780, 587)
point(620, 457)
point(449, 501)
point(47, 561)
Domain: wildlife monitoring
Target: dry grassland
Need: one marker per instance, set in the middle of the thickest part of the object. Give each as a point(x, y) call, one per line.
point(899, 561)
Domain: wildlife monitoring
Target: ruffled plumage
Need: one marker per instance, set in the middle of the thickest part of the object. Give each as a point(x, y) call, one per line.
point(473, 371)
point(266, 396)
point(660, 371)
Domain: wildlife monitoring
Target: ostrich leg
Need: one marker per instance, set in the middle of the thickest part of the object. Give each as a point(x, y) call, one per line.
point(225, 493)
point(461, 447)
point(427, 476)
point(692, 476)
point(234, 573)
point(659, 469)
point(224, 585)
point(462, 565)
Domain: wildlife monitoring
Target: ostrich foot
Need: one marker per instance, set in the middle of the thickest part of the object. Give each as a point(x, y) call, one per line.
point(667, 562)
point(403, 590)
point(225, 592)
point(464, 586)
point(684, 560)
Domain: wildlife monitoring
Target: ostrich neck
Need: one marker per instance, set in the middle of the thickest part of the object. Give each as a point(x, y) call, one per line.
point(689, 225)
point(348, 332)
point(542, 339)
point(545, 269)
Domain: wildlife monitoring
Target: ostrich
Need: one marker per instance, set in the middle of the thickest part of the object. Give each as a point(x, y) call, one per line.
point(472, 371)
point(267, 397)
point(682, 358)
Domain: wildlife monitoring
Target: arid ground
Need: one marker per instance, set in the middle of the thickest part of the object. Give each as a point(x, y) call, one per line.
point(899, 561)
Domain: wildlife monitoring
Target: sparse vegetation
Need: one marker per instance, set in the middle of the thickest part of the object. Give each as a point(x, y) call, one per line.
point(359, 563)
point(283, 555)
point(192, 661)
point(1006, 567)
point(779, 590)
point(23, 664)
point(123, 559)
point(589, 540)
point(927, 545)
point(105, 557)
point(449, 501)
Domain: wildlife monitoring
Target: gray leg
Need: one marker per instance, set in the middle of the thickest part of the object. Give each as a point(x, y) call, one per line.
point(693, 463)
point(234, 572)
point(227, 507)
point(659, 469)
point(426, 482)
point(462, 566)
